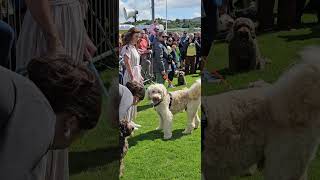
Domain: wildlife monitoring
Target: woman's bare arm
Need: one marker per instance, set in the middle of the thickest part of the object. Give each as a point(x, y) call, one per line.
point(40, 11)
point(128, 66)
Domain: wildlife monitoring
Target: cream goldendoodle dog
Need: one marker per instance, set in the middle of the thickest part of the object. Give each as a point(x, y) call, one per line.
point(279, 124)
point(166, 104)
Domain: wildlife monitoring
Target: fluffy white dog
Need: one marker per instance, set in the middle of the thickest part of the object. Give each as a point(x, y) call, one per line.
point(279, 124)
point(166, 104)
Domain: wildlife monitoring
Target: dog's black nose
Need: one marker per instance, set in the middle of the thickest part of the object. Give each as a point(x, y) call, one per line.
point(243, 34)
point(132, 128)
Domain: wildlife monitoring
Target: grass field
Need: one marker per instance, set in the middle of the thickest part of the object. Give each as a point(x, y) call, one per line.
point(150, 157)
point(94, 157)
point(282, 49)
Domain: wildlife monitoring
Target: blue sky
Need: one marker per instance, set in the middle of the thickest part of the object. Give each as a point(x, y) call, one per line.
point(177, 9)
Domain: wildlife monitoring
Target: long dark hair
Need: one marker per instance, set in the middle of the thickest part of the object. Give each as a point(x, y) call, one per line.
point(128, 36)
point(68, 88)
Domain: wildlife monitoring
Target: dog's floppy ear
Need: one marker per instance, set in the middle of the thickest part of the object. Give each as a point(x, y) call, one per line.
point(230, 35)
point(164, 90)
point(148, 91)
point(252, 28)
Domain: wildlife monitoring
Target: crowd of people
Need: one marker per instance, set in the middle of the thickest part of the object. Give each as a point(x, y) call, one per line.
point(155, 55)
point(49, 96)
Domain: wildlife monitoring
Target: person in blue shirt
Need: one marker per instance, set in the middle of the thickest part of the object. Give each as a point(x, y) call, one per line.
point(6, 43)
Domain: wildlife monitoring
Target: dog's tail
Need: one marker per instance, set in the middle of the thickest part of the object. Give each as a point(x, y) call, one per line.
point(195, 90)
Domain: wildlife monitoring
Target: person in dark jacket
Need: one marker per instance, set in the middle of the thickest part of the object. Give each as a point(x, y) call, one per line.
point(197, 42)
point(209, 20)
point(265, 15)
point(160, 58)
point(183, 46)
point(287, 14)
point(7, 39)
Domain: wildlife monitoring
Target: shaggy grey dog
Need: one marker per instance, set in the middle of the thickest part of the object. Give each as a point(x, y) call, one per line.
point(126, 128)
point(244, 54)
point(181, 78)
point(278, 123)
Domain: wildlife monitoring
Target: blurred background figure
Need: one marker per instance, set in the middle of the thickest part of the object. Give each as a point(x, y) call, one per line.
point(190, 60)
point(58, 105)
point(6, 44)
point(209, 16)
point(197, 42)
point(145, 52)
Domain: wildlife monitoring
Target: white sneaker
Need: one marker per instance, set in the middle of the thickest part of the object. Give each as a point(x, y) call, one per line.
point(136, 125)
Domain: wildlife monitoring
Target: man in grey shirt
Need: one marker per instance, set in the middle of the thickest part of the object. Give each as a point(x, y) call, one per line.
point(160, 58)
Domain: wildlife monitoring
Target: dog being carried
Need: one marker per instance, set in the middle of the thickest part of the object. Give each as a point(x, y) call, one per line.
point(167, 104)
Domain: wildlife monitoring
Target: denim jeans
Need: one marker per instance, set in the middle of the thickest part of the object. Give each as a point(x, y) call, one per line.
point(6, 42)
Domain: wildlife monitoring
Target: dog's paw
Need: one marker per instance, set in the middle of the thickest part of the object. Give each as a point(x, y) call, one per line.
point(166, 137)
point(187, 131)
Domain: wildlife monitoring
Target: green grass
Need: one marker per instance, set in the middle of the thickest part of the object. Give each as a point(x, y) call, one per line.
point(151, 157)
point(94, 156)
point(282, 49)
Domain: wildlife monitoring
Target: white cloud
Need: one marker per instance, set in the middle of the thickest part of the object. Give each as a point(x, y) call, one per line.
point(196, 14)
point(144, 7)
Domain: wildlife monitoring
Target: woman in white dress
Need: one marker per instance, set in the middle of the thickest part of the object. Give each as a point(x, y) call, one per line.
point(52, 27)
point(131, 58)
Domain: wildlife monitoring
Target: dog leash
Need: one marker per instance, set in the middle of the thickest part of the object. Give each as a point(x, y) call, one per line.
point(215, 72)
point(93, 69)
